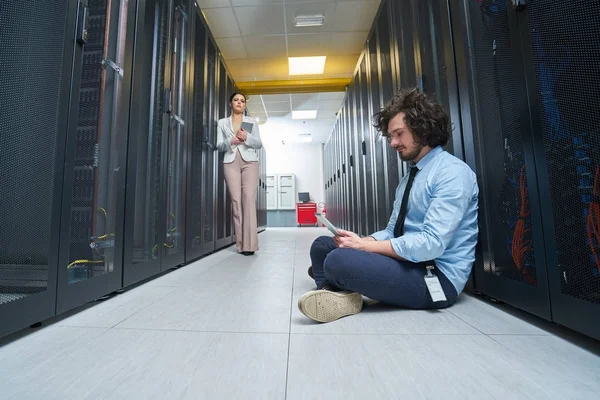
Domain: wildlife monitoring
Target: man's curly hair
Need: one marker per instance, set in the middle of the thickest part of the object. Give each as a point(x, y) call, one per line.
point(427, 120)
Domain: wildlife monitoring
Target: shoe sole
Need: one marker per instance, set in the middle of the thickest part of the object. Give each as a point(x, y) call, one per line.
point(326, 306)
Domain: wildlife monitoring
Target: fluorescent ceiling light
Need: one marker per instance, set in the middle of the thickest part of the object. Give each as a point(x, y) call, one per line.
point(307, 114)
point(307, 65)
point(257, 119)
point(310, 20)
point(304, 138)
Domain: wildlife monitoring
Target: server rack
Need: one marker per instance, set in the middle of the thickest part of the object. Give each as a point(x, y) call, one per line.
point(32, 186)
point(90, 262)
point(198, 144)
point(111, 173)
point(146, 217)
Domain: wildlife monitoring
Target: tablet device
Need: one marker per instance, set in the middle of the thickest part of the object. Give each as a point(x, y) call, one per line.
point(248, 126)
point(327, 224)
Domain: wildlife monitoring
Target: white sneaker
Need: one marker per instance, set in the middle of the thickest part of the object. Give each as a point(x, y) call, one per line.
point(327, 306)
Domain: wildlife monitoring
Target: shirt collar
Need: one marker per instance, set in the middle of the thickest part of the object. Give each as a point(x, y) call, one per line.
point(428, 157)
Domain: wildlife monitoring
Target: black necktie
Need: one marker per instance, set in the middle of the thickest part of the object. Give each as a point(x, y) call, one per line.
point(399, 228)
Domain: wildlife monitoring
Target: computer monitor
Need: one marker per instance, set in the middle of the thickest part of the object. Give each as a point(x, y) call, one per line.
point(304, 197)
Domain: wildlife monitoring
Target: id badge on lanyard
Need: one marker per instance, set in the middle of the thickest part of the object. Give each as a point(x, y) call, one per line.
point(434, 286)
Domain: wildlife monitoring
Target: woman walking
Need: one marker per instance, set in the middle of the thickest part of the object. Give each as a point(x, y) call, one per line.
point(239, 139)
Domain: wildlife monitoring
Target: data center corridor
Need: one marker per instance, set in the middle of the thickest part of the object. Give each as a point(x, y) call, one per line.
point(227, 327)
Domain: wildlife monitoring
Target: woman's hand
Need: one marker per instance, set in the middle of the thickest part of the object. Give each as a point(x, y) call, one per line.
point(242, 135)
point(235, 140)
point(348, 240)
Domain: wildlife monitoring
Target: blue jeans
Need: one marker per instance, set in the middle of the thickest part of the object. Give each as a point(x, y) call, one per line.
point(381, 278)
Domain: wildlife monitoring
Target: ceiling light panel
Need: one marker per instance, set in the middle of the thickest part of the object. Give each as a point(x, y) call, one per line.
point(304, 114)
point(307, 65)
point(309, 20)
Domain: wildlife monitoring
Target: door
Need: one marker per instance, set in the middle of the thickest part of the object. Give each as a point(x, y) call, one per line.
point(387, 80)
point(195, 228)
point(174, 218)
point(149, 124)
point(90, 263)
point(271, 192)
point(36, 91)
point(513, 266)
point(208, 159)
point(286, 192)
point(563, 68)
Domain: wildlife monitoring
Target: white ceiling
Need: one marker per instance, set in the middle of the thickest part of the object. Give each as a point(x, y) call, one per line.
point(256, 37)
point(276, 110)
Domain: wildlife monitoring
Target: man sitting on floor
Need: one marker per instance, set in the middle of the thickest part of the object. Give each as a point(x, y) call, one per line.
point(423, 259)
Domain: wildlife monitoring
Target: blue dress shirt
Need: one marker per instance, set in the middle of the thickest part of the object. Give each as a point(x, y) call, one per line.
point(441, 219)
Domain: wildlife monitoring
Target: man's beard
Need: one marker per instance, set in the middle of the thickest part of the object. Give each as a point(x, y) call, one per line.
point(412, 155)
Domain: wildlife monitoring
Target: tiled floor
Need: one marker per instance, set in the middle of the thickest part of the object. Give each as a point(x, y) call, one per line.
point(227, 327)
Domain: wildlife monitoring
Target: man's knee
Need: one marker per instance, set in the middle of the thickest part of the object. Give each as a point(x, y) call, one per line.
point(337, 264)
point(322, 243)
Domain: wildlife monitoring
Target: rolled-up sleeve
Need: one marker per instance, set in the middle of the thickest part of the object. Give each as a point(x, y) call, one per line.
point(452, 191)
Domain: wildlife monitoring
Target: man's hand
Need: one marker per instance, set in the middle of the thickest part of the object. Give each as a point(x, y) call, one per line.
point(235, 140)
point(242, 135)
point(348, 240)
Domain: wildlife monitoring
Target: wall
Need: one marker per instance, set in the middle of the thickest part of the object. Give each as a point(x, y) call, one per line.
point(304, 160)
point(286, 155)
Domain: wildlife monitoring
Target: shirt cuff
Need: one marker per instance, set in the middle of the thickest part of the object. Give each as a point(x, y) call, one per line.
point(381, 235)
point(399, 246)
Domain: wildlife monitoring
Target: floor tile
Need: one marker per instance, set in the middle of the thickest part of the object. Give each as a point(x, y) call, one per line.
point(492, 320)
point(554, 356)
point(263, 306)
point(131, 364)
point(413, 367)
point(117, 309)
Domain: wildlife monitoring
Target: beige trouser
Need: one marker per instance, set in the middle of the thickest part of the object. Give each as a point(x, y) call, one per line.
point(242, 182)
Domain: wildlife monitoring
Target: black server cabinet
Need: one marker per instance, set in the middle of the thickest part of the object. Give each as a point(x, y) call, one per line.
point(154, 226)
point(386, 89)
point(561, 47)
point(198, 139)
point(209, 159)
point(91, 242)
point(435, 66)
point(406, 50)
point(364, 126)
point(381, 176)
point(512, 246)
point(221, 195)
point(34, 96)
point(177, 109)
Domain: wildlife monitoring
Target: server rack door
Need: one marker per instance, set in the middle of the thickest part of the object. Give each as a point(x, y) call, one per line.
point(385, 63)
point(356, 158)
point(349, 134)
point(144, 225)
point(34, 87)
point(360, 155)
point(379, 143)
point(370, 183)
point(344, 183)
point(221, 198)
point(338, 174)
point(513, 267)
point(228, 210)
point(562, 44)
point(346, 171)
point(436, 67)
point(90, 258)
point(209, 160)
point(195, 192)
point(174, 243)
